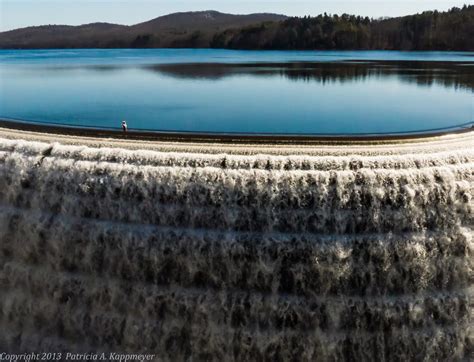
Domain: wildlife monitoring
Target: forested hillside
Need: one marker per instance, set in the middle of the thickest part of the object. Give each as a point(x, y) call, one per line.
point(179, 30)
point(432, 30)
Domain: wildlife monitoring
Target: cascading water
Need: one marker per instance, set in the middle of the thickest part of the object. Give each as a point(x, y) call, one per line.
point(328, 254)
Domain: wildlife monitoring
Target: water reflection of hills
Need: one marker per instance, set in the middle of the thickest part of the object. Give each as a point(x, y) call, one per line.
point(448, 74)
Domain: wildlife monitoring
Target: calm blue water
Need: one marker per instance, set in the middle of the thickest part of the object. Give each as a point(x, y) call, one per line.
point(240, 91)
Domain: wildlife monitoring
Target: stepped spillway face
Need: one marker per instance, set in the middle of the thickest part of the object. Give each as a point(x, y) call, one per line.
point(205, 252)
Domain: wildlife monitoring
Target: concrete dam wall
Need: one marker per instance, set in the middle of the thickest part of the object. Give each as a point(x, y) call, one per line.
point(337, 253)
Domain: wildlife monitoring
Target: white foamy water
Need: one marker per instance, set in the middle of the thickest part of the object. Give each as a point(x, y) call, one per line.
point(342, 253)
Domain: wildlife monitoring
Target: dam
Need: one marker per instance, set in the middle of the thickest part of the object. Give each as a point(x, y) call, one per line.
point(327, 251)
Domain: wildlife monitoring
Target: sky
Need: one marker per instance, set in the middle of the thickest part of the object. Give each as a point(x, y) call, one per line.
point(21, 13)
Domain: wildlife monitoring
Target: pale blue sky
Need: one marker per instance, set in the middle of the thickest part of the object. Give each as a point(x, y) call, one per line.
point(21, 13)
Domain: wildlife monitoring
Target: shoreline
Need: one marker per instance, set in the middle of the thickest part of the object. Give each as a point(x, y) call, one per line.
point(229, 138)
point(366, 149)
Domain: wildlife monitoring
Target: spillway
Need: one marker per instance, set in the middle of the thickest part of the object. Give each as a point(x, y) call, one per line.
point(330, 252)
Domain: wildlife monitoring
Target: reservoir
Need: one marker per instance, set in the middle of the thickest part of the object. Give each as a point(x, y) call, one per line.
point(242, 92)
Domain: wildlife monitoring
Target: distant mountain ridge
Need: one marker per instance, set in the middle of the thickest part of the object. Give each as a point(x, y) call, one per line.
point(195, 29)
point(430, 30)
point(201, 20)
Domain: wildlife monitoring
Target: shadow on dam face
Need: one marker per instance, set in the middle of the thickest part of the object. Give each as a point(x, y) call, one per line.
point(195, 256)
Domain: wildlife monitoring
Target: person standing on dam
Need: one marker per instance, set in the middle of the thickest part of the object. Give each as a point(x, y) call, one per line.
point(124, 126)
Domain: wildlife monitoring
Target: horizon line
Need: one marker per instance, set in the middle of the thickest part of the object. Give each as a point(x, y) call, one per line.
point(228, 13)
